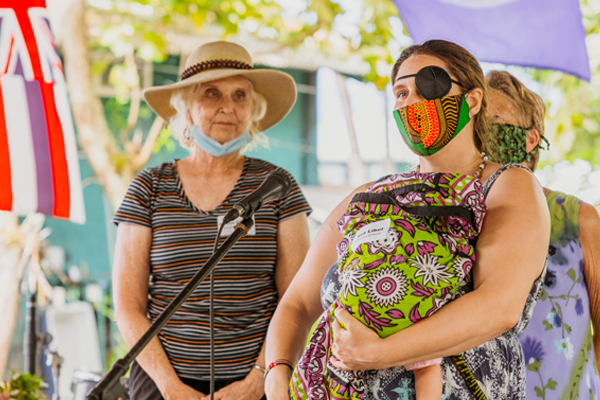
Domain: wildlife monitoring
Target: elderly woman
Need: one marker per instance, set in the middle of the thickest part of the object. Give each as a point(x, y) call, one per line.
point(561, 351)
point(169, 219)
point(441, 89)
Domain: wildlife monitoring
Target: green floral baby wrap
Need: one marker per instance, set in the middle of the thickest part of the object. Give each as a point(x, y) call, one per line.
point(407, 246)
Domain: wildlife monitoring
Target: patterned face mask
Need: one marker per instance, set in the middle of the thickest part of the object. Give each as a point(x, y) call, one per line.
point(510, 141)
point(428, 126)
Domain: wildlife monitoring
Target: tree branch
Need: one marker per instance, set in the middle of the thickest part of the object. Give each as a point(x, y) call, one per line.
point(95, 137)
point(146, 149)
point(135, 99)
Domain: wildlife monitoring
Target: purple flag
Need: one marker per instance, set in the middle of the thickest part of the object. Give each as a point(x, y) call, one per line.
point(533, 33)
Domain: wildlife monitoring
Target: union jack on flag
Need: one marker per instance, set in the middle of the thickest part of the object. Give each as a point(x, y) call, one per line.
point(39, 166)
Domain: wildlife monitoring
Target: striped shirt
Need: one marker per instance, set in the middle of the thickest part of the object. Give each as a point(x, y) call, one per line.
point(182, 241)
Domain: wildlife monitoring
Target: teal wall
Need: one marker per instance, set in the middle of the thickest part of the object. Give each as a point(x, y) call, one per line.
point(86, 245)
point(293, 140)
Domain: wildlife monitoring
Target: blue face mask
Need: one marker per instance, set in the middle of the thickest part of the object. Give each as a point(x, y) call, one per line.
point(215, 148)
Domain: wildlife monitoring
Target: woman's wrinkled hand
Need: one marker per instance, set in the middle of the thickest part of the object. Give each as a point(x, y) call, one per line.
point(181, 391)
point(249, 388)
point(355, 346)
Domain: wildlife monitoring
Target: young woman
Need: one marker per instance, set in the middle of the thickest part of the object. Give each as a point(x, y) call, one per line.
point(483, 321)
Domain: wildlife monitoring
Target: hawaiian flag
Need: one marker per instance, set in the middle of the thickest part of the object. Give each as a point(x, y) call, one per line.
point(39, 165)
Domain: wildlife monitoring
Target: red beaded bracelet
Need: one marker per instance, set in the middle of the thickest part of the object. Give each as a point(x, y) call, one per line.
point(276, 363)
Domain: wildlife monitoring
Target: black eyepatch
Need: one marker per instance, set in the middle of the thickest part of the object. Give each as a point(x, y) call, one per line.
point(432, 82)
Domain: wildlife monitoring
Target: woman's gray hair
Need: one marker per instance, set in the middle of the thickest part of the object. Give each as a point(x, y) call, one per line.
point(181, 101)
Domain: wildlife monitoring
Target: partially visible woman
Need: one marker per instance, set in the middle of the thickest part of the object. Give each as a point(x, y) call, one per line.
point(169, 219)
point(485, 316)
point(562, 341)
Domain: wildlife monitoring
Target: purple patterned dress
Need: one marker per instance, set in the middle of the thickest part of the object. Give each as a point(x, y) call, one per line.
point(557, 343)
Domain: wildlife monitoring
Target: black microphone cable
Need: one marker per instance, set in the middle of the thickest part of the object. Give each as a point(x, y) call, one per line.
point(211, 316)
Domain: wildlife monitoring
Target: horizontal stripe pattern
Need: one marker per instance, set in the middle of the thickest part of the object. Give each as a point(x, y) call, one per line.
point(182, 241)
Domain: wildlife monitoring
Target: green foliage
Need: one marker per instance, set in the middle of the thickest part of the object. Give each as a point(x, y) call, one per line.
point(368, 30)
point(116, 114)
point(573, 123)
point(132, 32)
point(339, 29)
point(164, 140)
point(23, 387)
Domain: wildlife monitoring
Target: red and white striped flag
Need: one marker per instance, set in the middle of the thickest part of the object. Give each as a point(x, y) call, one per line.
point(39, 166)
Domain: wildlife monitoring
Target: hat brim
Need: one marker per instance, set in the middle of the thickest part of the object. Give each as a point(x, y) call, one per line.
point(278, 88)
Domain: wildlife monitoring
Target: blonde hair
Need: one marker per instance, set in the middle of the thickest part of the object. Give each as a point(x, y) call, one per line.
point(181, 101)
point(465, 67)
point(530, 109)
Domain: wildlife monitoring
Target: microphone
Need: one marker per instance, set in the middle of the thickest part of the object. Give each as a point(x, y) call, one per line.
point(275, 186)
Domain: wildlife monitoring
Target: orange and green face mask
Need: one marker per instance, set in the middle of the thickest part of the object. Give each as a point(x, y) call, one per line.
point(428, 126)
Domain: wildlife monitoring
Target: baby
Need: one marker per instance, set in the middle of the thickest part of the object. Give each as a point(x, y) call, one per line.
point(407, 247)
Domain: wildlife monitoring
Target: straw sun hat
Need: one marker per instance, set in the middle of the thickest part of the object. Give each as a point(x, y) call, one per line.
point(218, 60)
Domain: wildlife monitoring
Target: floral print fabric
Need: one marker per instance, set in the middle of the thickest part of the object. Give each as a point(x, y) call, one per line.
point(557, 343)
point(498, 365)
point(420, 258)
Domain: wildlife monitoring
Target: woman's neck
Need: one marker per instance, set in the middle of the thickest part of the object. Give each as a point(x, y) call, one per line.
point(204, 162)
point(459, 156)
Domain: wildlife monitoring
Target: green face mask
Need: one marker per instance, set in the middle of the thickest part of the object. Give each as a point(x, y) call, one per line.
point(428, 126)
point(510, 141)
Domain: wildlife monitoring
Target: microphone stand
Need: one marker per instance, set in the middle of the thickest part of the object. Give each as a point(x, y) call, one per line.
point(107, 388)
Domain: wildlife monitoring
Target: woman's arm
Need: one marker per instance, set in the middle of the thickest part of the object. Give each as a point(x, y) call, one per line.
point(292, 244)
point(589, 235)
point(293, 241)
point(511, 252)
point(301, 305)
point(131, 271)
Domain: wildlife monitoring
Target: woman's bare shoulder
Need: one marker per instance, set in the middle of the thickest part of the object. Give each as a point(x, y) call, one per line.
point(362, 188)
point(515, 185)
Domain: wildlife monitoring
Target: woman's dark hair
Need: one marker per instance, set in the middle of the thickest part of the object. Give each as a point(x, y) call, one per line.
point(462, 65)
